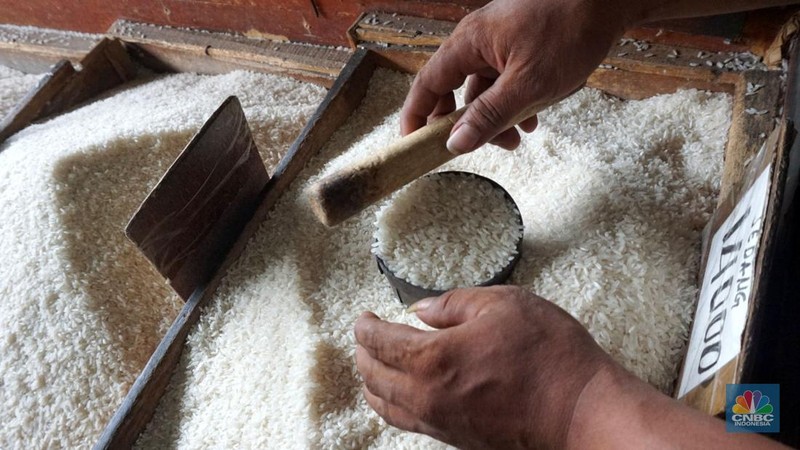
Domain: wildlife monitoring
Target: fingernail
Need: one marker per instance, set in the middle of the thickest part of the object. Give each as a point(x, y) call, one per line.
point(463, 140)
point(419, 306)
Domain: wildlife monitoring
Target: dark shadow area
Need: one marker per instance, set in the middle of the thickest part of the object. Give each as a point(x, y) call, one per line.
point(97, 193)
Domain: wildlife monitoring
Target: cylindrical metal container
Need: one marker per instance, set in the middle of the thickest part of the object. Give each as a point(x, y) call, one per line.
point(409, 293)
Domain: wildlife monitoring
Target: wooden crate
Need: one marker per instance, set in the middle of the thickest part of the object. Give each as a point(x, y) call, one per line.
point(633, 79)
point(629, 76)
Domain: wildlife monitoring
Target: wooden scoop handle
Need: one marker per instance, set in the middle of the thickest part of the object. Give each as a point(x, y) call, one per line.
point(348, 191)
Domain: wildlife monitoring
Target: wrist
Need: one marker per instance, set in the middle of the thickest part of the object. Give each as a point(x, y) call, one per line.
point(609, 410)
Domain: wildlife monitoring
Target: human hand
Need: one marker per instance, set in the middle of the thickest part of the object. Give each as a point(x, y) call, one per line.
point(520, 56)
point(505, 369)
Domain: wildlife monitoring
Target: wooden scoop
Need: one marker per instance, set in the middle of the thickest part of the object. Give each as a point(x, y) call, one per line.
point(350, 190)
point(345, 193)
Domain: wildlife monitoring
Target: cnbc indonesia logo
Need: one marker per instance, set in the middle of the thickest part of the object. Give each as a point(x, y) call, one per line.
point(752, 410)
point(754, 407)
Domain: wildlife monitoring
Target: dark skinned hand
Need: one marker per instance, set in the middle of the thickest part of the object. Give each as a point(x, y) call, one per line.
point(505, 370)
point(519, 56)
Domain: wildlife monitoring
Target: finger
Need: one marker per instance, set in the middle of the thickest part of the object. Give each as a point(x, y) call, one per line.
point(384, 381)
point(446, 105)
point(529, 125)
point(396, 416)
point(492, 112)
point(476, 85)
point(508, 139)
point(391, 343)
point(445, 71)
point(455, 307)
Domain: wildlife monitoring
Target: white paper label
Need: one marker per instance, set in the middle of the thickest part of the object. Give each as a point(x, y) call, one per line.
point(725, 295)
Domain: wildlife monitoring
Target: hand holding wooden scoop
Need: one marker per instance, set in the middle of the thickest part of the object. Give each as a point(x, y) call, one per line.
point(345, 193)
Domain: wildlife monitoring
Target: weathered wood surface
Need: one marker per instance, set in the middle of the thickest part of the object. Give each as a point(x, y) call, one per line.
point(187, 50)
point(36, 50)
point(756, 104)
point(107, 65)
point(755, 33)
point(352, 188)
point(191, 218)
point(32, 106)
point(141, 401)
point(315, 21)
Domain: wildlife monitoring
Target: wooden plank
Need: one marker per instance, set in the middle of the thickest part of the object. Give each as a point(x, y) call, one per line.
point(710, 395)
point(404, 59)
point(141, 401)
point(633, 85)
point(769, 337)
point(391, 29)
point(190, 219)
point(36, 50)
point(106, 66)
point(636, 80)
point(317, 21)
point(756, 105)
point(31, 106)
point(186, 50)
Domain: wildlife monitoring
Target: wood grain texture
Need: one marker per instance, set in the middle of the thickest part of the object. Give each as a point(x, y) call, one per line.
point(106, 66)
point(323, 22)
point(347, 192)
point(34, 50)
point(32, 106)
point(770, 341)
point(142, 399)
point(190, 219)
point(634, 85)
point(742, 32)
point(317, 21)
point(183, 50)
point(756, 106)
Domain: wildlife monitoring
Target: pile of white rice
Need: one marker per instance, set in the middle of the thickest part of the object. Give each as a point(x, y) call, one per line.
point(445, 231)
point(13, 87)
point(81, 309)
point(613, 195)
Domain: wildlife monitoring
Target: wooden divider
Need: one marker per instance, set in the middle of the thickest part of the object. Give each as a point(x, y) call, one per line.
point(106, 66)
point(141, 401)
point(186, 50)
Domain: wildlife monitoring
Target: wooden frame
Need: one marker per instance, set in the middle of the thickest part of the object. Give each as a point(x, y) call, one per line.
point(184, 50)
point(106, 66)
point(82, 67)
point(344, 97)
point(139, 405)
point(629, 76)
point(37, 50)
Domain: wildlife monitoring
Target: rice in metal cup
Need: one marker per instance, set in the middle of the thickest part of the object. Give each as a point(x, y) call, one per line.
point(408, 293)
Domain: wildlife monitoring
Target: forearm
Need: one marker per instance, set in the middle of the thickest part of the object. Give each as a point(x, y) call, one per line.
point(617, 410)
point(650, 10)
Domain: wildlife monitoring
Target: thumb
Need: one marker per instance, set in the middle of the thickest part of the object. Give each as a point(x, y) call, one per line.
point(451, 308)
point(488, 115)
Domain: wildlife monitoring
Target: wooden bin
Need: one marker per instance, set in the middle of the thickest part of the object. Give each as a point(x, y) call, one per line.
point(629, 76)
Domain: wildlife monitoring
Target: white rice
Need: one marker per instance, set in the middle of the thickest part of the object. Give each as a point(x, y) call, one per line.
point(613, 195)
point(13, 87)
point(82, 310)
point(444, 231)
